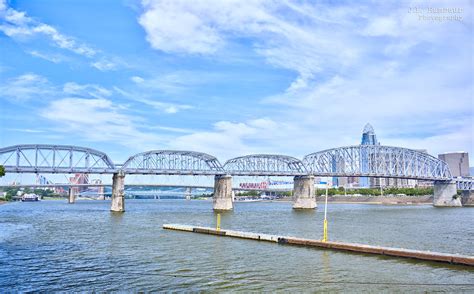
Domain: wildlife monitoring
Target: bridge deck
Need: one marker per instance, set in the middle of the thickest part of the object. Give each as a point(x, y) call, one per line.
point(341, 246)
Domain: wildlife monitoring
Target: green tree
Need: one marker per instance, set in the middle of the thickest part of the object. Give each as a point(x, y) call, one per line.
point(11, 192)
point(2, 171)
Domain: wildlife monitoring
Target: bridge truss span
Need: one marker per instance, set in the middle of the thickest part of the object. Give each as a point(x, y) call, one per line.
point(465, 184)
point(54, 159)
point(172, 162)
point(377, 161)
point(265, 165)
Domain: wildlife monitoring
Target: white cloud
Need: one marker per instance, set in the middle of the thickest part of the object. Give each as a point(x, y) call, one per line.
point(193, 35)
point(98, 120)
point(104, 65)
point(31, 86)
point(168, 129)
point(17, 24)
point(281, 39)
point(167, 107)
point(383, 26)
point(48, 57)
point(23, 28)
point(355, 64)
point(137, 79)
point(26, 87)
point(88, 111)
point(80, 109)
point(232, 139)
point(26, 130)
point(86, 90)
point(98, 111)
point(172, 82)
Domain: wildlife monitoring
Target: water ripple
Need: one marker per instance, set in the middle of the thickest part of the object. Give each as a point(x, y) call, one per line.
point(53, 246)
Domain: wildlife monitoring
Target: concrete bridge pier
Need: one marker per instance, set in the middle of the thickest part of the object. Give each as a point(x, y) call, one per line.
point(303, 193)
point(72, 196)
point(467, 198)
point(223, 199)
point(188, 193)
point(101, 194)
point(118, 193)
point(445, 194)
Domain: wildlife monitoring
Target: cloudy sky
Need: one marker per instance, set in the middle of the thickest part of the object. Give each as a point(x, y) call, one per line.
point(236, 77)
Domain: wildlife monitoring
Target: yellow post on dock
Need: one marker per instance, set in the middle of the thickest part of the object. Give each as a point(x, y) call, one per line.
point(325, 225)
point(218, 225)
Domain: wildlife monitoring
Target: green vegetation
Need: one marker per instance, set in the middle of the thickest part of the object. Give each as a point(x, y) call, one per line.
point(204, 195)
point(44, 193)
point(11, 192)
point(2, 171)
point(376, 191)
point(248, 194)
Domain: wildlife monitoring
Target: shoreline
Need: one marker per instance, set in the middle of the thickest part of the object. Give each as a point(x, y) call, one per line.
point(374, 200)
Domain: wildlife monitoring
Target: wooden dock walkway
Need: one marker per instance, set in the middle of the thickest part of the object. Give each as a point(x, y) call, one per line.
point(388, 251)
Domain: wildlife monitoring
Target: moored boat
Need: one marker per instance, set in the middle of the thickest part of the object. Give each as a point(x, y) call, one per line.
point(29, 197)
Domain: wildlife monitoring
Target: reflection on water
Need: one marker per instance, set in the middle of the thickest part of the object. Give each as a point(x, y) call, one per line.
point(52, 245)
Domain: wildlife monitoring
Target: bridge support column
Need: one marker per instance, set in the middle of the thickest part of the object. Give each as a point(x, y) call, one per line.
point(445, 194)
point(303, 193)
point(101, 194)
point(72, 196)
point(222, 199)
point(118, 193)
point(188, 193)
point(467, 198)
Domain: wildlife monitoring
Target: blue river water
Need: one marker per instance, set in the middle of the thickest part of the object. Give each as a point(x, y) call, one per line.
point(55, 246)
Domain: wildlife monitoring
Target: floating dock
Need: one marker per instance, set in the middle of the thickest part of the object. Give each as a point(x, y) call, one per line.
point(342, 246)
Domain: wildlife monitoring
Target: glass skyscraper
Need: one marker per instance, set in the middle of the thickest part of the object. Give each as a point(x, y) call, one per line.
point(368, 138)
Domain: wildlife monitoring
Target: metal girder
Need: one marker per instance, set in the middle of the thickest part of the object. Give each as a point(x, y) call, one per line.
point(265, 165)
point(351, 161)
point(54, 159)
point(377, 161)
point(172, 162)
point(465, 184)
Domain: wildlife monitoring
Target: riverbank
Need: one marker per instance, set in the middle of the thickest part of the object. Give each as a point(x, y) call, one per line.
point(385, 200)
point(382, 200)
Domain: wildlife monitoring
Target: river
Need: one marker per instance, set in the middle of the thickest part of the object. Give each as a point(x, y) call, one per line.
point(55, 246)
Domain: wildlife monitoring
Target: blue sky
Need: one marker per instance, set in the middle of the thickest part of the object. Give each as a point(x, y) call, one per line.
point(235, 77)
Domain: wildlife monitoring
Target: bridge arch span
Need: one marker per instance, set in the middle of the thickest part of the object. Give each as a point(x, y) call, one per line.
point(54, 159)
point(377, 161)
point(172, 162)
point(265, 165)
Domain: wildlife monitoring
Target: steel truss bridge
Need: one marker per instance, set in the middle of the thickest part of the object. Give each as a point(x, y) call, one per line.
point(189, 186)
point(352, 161)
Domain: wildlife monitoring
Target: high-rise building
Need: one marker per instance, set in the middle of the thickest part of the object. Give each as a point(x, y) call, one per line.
point(458, 163)
point(368, 138)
